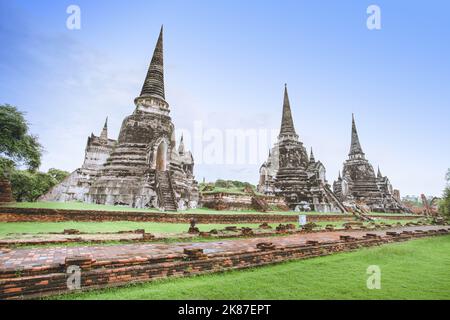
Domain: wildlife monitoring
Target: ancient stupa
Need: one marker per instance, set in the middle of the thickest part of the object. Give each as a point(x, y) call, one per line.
point(290, 173)
point(359, 185)
point(143, 168)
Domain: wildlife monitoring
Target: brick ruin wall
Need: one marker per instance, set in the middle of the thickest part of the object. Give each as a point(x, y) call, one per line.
point(52, 279)
point(11, 214)
point(229, 201)
point(5, 191)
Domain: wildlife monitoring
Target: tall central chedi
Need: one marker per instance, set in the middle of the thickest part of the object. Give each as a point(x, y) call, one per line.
point(290, 173)
point(143, 168)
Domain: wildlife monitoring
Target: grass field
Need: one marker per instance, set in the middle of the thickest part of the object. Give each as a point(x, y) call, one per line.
point(152, 227)
point(101, 207)
point(418, 269)
point(114, 226)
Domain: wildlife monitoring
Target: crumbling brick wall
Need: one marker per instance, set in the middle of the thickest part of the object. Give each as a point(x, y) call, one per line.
point(52, 279)
point(5, 191)
point(11, 214)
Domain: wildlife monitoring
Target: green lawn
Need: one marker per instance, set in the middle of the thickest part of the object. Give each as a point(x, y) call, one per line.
point(114, 226)
point(418, 269)
point(89, 206)
point(155, 227)
point(391, 214)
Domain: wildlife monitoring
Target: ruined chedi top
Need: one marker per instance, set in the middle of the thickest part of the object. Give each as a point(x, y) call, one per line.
point(359, 185)
point(154, 81)
point(288, 172)
point(287, 129)
point(358, 176)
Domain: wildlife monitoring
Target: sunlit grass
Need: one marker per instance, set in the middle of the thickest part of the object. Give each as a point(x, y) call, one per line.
point(109, 226)
point(151, 227)
point(102, 207)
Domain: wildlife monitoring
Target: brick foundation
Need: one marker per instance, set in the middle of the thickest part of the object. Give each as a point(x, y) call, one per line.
point(229, 201)
point(46, 280)
point(12, 214)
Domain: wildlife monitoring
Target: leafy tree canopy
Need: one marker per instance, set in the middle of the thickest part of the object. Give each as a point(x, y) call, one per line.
point(30, 185)
point(20, 148)
point(225, 184)
point(17, 145)
point(444, 204)
point(58, 175)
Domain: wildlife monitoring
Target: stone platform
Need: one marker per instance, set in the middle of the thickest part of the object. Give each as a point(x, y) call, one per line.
point(28, 273)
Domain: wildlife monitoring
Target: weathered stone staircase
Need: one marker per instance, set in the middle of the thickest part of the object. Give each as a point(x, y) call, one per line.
point(332, 198)
point(166, 195)
point(258, 203)
point(359, 215)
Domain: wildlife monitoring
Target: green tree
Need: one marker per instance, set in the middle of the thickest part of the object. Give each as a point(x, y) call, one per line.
point(21, 183)
point(19, 148)
point(444, 204)
point(17, 145)
point(30, 185)
point(58, 175)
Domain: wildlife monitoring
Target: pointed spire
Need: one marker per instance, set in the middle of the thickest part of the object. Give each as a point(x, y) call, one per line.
point(379, 175)
point(104, 134)
point(339, 177)
point(181, 147)
point(287, 124)
point(311, 156)
point(154, 81)
point(270, 153)
point(355, 146)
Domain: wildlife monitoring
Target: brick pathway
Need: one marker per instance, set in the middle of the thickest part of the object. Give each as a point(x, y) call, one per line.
point(27, 258)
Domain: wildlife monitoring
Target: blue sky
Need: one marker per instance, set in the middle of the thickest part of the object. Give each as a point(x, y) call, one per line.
point(226, 63)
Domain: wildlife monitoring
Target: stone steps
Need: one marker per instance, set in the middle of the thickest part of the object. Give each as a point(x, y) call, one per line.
point(167, 198)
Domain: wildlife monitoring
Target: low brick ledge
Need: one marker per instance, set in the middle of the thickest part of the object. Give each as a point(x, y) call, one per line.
point(49, 280)
point(14, 214)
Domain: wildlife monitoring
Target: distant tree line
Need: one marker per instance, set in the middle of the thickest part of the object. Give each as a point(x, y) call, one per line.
point(20, 157)
point(225, 184)
point(232, 184)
